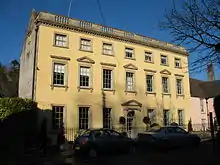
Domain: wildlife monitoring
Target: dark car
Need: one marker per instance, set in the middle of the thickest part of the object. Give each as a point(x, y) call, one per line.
point(102, 141)
point(168, 137)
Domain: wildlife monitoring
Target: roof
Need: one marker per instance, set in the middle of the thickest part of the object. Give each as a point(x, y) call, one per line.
point(89, 27)
point(204, 89)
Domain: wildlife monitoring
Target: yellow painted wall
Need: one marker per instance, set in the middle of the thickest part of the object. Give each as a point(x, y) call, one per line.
point(71, 98)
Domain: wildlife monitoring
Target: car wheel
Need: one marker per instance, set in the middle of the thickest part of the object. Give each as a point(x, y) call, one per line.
point(92, 153)
point(132, 149)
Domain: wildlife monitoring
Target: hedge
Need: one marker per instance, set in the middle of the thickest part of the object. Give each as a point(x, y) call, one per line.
point(11, 106)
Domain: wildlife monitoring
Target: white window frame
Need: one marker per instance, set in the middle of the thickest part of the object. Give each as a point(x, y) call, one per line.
point(168, 86)
point(177, 61)
point(180, 111)
point(84, 117)
point(161, 58)
point(148, 54)
point(86, 44)
point(202, 105)
point(61, 71)
point(179, 89)
point(168, 115)
point(112, 79)
point(150, 115)
point(129, 50)
point(107, 120)
point(106, 50)
point(130, 87)
point(58, 109)
point(88, 74)
point(60, 40)
point(152, 83)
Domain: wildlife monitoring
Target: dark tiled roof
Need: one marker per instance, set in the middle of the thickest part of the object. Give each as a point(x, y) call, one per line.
point(195, 89)
point(204, 89)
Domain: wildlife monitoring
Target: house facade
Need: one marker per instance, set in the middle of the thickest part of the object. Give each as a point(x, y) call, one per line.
point(87, 75)
point(202, 99)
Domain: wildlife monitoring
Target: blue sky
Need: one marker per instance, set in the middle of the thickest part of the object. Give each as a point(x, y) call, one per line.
point(139, 16)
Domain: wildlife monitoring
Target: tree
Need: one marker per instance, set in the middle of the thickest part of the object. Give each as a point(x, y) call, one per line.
point(9, 79)
point(197, 25)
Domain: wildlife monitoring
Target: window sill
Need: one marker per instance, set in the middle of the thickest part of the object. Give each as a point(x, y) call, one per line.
point(108, 54)
point(135, 92)
point(85, 88)
point(164, 64)
point(109, 90)
point(150, 93)
point(90, 51)
point(167, 94)
point(151, 62)
point(130, 58)
point(65, 47)
point(59, 86)
point(178, 67)
point(180, 95)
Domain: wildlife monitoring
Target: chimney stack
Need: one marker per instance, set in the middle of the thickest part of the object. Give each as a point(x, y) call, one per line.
point(211, 74)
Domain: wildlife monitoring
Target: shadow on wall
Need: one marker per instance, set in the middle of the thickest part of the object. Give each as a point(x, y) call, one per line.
point(217, 108)
point(22, 130)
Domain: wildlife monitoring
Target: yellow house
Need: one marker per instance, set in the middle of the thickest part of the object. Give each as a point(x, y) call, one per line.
point(86, 75)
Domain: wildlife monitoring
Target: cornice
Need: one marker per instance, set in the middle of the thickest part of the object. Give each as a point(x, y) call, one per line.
point(95, 29)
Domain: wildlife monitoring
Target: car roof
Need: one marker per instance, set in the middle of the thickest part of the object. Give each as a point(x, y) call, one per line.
point(98, 129)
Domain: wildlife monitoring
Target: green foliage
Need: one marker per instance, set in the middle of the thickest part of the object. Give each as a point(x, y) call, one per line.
point(10, 106)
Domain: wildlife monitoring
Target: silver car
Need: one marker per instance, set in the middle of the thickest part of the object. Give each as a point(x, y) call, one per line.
point(168, 137)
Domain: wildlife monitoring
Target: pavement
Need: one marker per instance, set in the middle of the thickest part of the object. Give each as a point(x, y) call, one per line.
point(203, 155)
point(33, 156)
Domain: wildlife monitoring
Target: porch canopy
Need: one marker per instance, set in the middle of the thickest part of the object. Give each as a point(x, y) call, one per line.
point(131, 105)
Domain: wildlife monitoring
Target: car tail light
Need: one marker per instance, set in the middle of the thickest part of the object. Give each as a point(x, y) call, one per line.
point(84, 140)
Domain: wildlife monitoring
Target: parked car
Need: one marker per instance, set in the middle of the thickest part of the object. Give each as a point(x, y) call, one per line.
point(167, 137)
point(102, 141)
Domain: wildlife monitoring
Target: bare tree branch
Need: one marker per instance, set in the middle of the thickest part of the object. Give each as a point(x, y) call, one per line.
point(197, 25)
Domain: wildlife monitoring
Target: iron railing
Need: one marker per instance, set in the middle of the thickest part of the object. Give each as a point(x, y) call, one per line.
point(201, 130)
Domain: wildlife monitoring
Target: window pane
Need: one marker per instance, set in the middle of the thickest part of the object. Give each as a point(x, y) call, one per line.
point(163, 60)
point(180, 118)
point(128, 52)
point(152, 115)
point(166, 117)
point(148, 56)
point(177, 63)
point(130, 81)
point(149, 83)
point(107, 78)
point(86, 44)
point(60, 40)
point(57, 116)
point(179, 86)
point(83, 117)
point(58, 74)
point(107, 48)
point(165, 85)
point(84, 76)
point(106, 117)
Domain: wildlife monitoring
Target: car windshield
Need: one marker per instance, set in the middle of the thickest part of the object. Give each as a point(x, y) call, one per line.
point(85, 133)
point(154, 130)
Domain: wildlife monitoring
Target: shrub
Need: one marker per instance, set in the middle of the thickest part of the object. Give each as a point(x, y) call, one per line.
point(122, 120)
point(11, 106)
point(146, 120)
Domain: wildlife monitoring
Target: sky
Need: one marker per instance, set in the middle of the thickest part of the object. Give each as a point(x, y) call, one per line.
point(138, 16)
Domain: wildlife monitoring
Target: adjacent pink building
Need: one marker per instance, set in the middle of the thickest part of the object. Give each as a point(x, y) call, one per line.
point(202, 96)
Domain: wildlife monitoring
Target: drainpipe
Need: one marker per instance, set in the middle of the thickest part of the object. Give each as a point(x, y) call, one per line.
point(34, 67)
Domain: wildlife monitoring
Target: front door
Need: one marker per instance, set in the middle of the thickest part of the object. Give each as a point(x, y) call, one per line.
point(129, 123)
